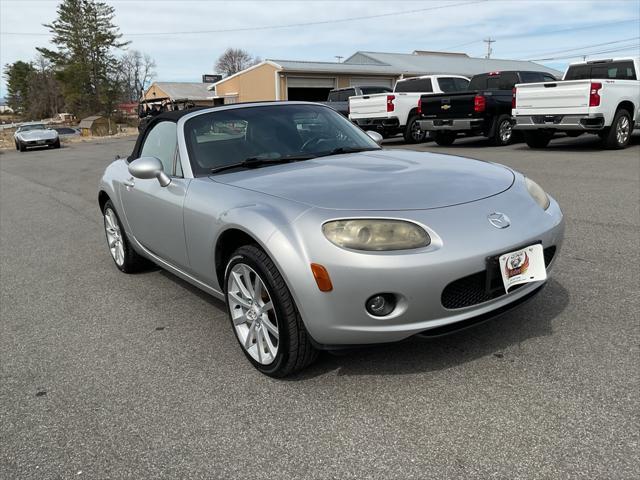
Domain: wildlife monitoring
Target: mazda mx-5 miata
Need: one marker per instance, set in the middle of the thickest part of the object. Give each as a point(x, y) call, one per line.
point(316, 237)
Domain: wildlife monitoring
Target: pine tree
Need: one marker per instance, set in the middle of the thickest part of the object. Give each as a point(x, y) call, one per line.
point(85, 62)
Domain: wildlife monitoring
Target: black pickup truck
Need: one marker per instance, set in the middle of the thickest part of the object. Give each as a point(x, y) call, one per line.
point(483, 109)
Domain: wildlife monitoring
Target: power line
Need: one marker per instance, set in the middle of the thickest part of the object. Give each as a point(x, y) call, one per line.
point(589, 54)
point(585, 46)
point(274, 27)
point(539, 34)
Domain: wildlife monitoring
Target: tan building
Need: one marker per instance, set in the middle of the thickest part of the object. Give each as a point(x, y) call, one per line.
point(301, 80)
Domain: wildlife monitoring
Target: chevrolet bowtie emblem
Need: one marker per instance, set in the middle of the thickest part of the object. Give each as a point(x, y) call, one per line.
point(445, 107)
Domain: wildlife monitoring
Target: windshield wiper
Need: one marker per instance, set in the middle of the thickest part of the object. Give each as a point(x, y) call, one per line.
point(340, 150)
point(252, 162)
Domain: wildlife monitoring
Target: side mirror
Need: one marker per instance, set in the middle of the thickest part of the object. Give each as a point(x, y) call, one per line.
point(147, 168)
point(375, 136)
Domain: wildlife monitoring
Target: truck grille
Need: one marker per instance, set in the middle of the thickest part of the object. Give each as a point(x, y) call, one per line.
point(472, 289)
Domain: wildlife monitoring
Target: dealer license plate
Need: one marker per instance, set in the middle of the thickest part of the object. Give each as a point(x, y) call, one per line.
point(522, 266)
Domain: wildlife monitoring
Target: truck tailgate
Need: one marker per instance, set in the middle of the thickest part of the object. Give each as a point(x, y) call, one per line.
point(448, 105)
point(368, 106)
point(553, 97)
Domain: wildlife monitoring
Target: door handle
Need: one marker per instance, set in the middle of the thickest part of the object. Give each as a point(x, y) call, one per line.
point(129, 183)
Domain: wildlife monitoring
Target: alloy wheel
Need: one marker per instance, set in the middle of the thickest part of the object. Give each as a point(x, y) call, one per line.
point(622, 130)
point(253, 314)
point(505, 131)
point(114, 236)
point(416, 132)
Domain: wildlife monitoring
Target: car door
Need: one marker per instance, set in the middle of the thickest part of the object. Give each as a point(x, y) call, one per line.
point(155, 213)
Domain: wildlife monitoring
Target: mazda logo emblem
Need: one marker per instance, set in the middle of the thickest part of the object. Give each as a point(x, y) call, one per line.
point(498, 220)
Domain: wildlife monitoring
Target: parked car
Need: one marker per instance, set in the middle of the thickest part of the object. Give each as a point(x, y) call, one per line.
point(484, 109)
point(600, 97)
point(35, 135)
point(399, 112)
point(318, 239)
point(65, 132)
point(339, 98)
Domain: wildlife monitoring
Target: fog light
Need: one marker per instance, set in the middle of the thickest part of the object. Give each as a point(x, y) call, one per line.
point(381, 304)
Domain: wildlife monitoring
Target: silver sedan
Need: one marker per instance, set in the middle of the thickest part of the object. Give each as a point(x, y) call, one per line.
point(316, 237)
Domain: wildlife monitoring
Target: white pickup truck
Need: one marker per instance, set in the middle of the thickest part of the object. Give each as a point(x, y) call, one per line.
point(399, 111)
point(601, 97)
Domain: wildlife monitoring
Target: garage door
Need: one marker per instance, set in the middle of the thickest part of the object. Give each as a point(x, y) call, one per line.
point(371, 82)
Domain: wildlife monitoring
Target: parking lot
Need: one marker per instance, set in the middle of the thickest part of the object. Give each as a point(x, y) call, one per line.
point(105, 375)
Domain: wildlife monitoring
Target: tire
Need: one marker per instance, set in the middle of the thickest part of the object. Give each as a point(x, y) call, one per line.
point(618, 135)
point(293, 349)
point(57, 144)
point(537, 139)
point(126, 259)
point(22, 147)
point(444, 139)
point(503, 131)
point(412, 132)
point(17, 146)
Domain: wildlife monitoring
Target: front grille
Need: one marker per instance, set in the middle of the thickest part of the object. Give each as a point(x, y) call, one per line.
point(472, 289)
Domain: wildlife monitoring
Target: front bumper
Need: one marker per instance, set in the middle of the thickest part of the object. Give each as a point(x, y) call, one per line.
point(560, 122)
point(39, 143)
point(462, 241)
point(454, 124)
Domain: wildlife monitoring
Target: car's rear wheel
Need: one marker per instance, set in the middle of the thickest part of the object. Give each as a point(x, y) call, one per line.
point(619, 134)
point(264, 315)
point(503, 134)
point(413, 133)
point(537, 139)
point(124, 256)
point(444, 138)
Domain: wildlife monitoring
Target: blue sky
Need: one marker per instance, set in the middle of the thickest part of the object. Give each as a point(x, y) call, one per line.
point(523, 29)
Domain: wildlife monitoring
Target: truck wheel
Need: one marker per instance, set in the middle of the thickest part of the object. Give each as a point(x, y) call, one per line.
point(412, 132)
point(619, 133)
point(537, 139)
point(444, 139)
point(503, 132)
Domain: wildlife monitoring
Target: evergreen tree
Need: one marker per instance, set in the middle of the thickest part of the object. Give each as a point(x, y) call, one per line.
point(85, 62)
point(17, 75)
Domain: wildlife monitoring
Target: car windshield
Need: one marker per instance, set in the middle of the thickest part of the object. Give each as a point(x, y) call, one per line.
point(35, 126)
point(269, 133)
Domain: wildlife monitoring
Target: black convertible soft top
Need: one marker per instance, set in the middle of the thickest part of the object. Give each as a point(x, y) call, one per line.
point(172, 116)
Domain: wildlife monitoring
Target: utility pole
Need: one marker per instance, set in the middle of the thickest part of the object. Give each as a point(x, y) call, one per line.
point(339, 57)
point(489, 41)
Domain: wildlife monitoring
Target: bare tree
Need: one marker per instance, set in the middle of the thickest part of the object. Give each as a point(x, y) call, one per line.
point(136, 72)
point(45, 93)
point(234, 60)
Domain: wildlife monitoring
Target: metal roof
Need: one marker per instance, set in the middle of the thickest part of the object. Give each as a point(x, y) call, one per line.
point(334, 67)
point(185, 90)
point(434, 63)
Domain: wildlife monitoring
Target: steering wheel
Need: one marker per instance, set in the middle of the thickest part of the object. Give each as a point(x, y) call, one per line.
point(313, 142)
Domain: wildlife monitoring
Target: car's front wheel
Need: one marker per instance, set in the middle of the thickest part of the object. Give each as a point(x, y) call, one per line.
point(264, 315)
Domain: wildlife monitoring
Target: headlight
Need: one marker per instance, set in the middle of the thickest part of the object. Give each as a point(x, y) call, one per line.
point(538, 194)
point(376, 235)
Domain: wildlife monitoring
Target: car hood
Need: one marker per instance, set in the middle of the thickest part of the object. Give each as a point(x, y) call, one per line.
point(38, 134)
point(377, 180)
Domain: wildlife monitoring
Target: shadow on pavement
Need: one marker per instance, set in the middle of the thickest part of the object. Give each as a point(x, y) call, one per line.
point(420, 354)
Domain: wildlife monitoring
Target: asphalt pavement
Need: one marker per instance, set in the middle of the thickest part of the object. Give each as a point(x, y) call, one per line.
point(106, 375)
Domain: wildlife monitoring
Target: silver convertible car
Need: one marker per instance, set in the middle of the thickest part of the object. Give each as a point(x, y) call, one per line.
point(316, 237)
